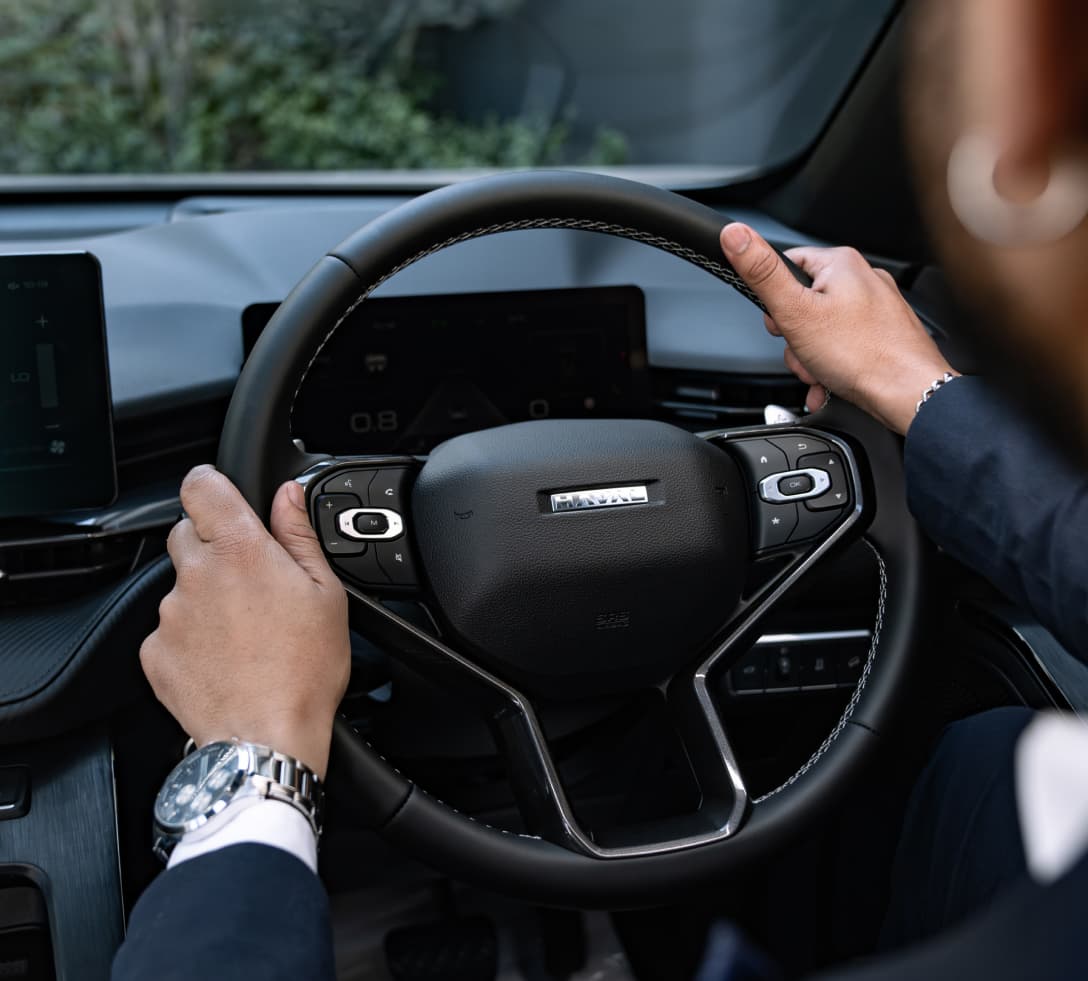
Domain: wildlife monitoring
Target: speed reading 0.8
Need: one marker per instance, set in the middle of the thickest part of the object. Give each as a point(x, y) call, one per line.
point(384, 421)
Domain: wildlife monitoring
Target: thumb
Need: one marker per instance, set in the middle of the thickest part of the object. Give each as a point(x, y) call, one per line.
point(291, 527)
point(762, 268)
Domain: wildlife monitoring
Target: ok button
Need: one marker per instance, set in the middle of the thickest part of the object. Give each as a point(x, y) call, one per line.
point(795, 485)
point(799, 483)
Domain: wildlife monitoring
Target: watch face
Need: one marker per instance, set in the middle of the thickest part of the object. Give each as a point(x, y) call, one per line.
point(199, 786)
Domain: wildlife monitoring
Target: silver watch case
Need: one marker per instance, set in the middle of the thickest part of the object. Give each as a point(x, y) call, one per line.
point(209, 779)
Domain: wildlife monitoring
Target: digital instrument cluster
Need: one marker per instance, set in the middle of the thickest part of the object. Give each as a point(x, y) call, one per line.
point(402, 374)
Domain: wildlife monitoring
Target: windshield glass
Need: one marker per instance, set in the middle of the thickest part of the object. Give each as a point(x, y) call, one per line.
point(182, 86)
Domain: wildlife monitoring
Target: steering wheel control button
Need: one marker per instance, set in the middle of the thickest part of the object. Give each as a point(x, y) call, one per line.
point(817, 666)
point(780, 669)
point(396, 562)
point(851, 664)
point(329, 508)
point(797, 446)
point(746, 676)
point(761, 457)
point(800, 483)
point(14, 791)
point(797, 485)
point(774, 525)
point(349, 482)
point(362, 569)
point(811, 524)
point(838, 489)
point(389, 489)
point(369, 524)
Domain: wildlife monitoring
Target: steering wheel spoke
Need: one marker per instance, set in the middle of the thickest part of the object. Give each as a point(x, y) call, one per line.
point(534, 775)
point(806, 498)
point(538, 790)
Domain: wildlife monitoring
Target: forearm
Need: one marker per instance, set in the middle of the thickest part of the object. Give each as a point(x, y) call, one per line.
point(996, 496)
point(247, 911)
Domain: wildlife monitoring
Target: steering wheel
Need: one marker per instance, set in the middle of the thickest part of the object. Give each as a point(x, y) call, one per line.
point(562, 558)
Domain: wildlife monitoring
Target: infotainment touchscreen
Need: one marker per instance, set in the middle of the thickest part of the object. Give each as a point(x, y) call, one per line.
point(56, 433)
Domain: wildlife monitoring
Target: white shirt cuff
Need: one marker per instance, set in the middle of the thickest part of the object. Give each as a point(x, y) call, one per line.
point(1052, 793)
point(255, 821)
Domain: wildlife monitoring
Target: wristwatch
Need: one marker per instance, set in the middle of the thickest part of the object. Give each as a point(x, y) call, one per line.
point(234, 773)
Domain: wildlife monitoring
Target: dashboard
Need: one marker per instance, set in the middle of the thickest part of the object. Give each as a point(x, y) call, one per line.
point(523, 325)
point(176, 291)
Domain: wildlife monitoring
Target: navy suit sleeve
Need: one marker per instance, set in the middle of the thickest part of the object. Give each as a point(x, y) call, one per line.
point(990, 490)
point(243, 912)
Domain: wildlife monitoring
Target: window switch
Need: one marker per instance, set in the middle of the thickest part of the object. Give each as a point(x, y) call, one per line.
point(746, 677)
point(780, 668)
point(14, 791)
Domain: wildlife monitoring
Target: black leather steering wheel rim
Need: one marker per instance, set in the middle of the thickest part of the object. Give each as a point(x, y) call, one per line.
point(257, 453)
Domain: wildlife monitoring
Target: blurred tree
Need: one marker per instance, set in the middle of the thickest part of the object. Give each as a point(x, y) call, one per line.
point(115, 86)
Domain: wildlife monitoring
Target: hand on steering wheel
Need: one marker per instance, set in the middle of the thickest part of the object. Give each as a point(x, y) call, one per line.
point(851, 332)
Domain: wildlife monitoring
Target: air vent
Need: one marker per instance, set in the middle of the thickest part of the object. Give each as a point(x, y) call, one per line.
point(50, 569)
point(697, 400)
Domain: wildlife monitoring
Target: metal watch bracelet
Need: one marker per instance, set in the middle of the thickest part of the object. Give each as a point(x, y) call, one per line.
point(933, 388)
point(284, 779)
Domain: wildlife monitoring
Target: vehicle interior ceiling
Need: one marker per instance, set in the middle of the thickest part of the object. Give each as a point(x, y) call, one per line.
point(78, 715)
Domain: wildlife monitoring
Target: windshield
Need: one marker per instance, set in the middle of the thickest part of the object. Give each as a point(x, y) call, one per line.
point(185, 86)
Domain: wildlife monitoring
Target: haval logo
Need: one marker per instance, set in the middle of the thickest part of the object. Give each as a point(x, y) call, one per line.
point(599, 497)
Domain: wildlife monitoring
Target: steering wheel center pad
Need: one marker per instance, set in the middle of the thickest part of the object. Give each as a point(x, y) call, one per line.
point(595, 589)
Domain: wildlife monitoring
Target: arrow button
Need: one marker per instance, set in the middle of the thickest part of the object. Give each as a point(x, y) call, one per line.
point(838, 493)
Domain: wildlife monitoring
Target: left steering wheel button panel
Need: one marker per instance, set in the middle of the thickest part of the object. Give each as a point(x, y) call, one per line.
point(328, 508)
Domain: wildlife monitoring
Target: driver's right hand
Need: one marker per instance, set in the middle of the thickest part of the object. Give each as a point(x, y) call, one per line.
point(850, 333)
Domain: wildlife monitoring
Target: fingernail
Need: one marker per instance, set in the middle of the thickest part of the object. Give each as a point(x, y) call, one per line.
point(295, 495)
point(736, 238)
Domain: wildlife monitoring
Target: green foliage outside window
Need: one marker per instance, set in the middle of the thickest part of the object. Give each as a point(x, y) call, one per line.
point(122, 86)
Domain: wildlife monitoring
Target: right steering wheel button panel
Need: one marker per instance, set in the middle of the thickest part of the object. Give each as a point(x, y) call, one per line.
point(838, 493)
point(782, 461)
